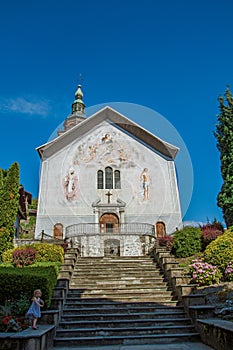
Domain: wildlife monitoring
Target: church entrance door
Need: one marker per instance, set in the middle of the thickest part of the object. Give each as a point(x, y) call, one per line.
point(109, 223)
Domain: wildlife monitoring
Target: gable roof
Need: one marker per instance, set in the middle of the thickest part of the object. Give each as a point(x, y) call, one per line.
point(111, 115)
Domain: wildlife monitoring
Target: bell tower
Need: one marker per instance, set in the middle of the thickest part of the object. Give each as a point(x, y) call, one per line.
point(78, 112)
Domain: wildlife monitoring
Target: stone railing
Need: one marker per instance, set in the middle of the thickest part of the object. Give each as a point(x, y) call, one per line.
point(127, 228)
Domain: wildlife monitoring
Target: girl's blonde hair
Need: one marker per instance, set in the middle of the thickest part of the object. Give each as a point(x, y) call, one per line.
point(36, 291)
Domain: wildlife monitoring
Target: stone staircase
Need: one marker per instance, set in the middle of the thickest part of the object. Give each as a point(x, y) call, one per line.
point(121, 300)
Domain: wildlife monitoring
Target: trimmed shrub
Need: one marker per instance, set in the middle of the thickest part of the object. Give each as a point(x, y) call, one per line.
point(15, 282)
point(187, 242)
point(23, 257)
point(220, 251)
point(48, 252)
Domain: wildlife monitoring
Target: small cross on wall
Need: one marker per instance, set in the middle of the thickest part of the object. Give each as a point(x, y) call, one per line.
point(109, 194)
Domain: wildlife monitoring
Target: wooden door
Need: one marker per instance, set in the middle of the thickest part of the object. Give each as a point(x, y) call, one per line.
point(109, 223)
point(160, 229)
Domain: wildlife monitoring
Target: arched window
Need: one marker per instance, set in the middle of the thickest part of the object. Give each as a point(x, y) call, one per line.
point(117, 179)
point(100, 179)
point(108, 178)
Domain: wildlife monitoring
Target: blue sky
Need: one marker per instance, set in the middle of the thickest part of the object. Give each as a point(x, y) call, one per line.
point(174, 57)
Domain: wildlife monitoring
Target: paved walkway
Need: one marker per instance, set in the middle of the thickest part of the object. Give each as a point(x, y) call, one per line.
point(175, 346)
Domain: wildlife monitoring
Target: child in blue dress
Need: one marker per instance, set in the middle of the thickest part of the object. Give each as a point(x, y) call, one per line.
point(34, 310)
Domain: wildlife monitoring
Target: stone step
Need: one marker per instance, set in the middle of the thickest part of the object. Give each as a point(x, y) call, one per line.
point(104, 305)
point(108, 269)
point(124, 331)
point(116, 274)
point(120, 300)
point(69, 322)
point(114, 258)
point(122, 260)
point(123, 323)
point(127, 278)
point(70, 315)
point(115, 281)
point(129, 292)
point(135, 299)
point(114, 285)
point(110, 264)
point(105, 340)
point(137, 310)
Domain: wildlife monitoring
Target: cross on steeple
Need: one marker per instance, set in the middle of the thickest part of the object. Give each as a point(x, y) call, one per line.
point(109, 194)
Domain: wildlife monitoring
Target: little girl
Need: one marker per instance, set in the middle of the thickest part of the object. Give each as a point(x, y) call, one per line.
point(34, 309)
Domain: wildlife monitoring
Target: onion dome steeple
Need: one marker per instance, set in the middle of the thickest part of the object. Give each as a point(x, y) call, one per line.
point(78, 105)
point(78, 112)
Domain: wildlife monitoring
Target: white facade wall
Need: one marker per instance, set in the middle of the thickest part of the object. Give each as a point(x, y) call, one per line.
point(82, 159)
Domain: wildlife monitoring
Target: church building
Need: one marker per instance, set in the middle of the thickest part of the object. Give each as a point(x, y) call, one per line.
point(107, 185)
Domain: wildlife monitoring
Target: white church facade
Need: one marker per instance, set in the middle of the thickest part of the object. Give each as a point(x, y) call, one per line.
point(107, 185)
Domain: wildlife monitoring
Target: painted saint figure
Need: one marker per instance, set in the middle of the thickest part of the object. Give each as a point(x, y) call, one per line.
point(145, 183)
point(71, 185)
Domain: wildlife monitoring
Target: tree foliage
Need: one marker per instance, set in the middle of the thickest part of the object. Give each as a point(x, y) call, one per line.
point(9, 197)
point(224, 136)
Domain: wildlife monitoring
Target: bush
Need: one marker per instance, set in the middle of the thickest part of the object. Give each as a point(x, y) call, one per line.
point(15, 282)
point(220, 251)
point(208, 235)
point(204, 274)
point(23, 257)
point(5, 240)
point(187, 242)
point(48, 252)
point(7, 256)
point(210, 232)
point(45, 252)
point(166, 242)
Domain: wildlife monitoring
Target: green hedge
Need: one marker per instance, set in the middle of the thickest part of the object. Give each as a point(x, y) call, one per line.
point(15, 282)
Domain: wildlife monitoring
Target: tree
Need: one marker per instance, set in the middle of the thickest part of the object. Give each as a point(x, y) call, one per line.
point(224, 136)
point(9, 197)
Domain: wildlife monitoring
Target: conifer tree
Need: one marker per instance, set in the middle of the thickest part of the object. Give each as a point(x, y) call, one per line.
point(224, 136)
point(9, 197)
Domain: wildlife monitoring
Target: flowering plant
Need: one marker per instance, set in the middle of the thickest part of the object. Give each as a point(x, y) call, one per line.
point(13, 324)
point(11, 319)
point(229, 272)
point(166, 242)
point(204, 274)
